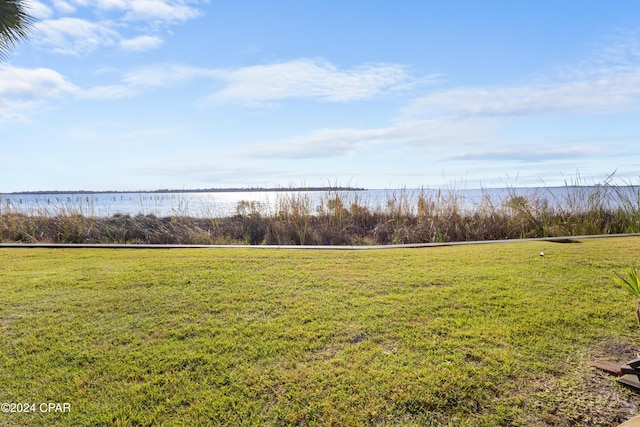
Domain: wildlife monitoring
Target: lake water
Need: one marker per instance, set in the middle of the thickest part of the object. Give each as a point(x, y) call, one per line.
point(221, 204)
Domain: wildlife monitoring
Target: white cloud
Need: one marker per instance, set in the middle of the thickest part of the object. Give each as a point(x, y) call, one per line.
point(435, 136)
point(33, 83)
point(472, 118)
point(141, 43)
point(621, 50)
point(24, 90)
point(445, 138)
point(306, 79)
point(131, 24)
point(12, 111)
point(74, 36)
point(609, 90)
point(319, 143)
point(159, 11)
point(146, 78)
point(113, 4)
point(64, 7)
point(261, 84)
point(39, 10)
point(108, 92)
point(538, 153)
point(164, 75)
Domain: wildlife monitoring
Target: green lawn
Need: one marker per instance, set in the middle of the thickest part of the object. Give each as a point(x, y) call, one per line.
point(463, 335)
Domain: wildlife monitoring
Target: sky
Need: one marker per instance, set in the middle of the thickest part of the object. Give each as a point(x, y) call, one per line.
point(187, 94)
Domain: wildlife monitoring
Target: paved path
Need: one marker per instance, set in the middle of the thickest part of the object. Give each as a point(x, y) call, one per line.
point(568, 239)
point(633, 422)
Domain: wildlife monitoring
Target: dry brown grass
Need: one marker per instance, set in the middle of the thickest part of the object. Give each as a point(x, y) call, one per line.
point(342, 218)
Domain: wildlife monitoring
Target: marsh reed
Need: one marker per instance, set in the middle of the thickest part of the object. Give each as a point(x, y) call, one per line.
point(345, 218)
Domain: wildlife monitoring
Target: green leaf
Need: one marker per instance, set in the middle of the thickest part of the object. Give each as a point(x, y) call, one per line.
point(631, 283)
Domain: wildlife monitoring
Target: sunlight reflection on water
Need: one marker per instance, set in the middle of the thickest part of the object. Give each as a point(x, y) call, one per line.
point(221, 204)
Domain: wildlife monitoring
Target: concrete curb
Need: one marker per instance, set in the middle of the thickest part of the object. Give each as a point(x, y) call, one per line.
point(566, 239)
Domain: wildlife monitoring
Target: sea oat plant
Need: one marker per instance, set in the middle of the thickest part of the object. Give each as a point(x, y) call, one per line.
point(631, 284)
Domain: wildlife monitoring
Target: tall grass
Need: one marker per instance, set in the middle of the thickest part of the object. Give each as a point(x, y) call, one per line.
point(346, 218)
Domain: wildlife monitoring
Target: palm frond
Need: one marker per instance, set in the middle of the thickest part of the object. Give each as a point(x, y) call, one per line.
point(631, 283)
point(15, 24)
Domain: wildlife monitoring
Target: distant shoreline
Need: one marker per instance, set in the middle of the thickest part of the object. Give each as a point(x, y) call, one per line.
point(279, 189)
point(198, 190)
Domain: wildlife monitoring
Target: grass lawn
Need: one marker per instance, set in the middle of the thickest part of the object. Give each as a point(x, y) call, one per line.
point(464, 335)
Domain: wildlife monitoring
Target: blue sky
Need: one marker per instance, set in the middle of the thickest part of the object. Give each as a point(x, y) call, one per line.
point(149, 94)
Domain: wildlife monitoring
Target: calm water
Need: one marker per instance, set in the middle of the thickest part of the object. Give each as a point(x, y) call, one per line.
point(220, 204)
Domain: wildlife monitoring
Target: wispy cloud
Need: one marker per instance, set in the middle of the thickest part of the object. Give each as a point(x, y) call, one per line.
point(114, 133)
point(220, 173)
point(74, 36)
point(263, 85)
point(141, 43)
point(146, 79)
point(600, 94)
point(159, 11)
point(467, 118)
point(64, 7)
point(163, 75)
point(621, 50)
point(39, 10)
point(322, 82)
point(306, 79)
point(81, 27)
point(471, 118)
point(541, 153)
point(434, 136)
point(606, 81)
point(319, 143)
